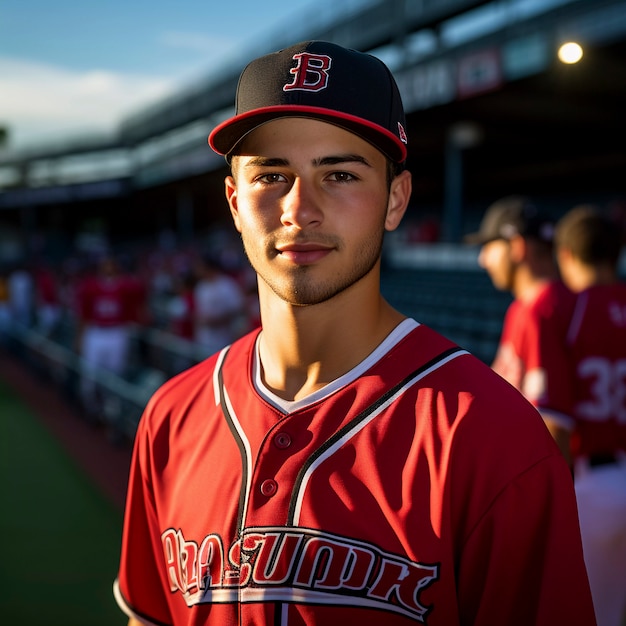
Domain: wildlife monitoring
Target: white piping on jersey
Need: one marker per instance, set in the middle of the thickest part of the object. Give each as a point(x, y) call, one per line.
point(121, 601)
point(248, 460)
point(286, 406)
point(219, 389)
point(360, 425)
point(216, 371)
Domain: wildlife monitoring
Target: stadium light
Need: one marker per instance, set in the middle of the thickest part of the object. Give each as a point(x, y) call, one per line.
point(570, 52)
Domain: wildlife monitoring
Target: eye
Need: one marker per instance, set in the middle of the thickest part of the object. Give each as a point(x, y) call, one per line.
point(270, 178)
point(342, 177)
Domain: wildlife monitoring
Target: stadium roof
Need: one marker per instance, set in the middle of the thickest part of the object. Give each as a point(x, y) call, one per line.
point(481, 76)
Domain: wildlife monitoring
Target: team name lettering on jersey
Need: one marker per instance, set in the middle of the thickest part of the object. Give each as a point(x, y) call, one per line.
point(295, 564)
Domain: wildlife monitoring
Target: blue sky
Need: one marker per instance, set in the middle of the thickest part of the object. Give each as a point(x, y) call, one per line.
point(73, 66)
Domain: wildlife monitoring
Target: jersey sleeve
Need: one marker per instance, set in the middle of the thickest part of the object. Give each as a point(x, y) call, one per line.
point(522, 562)
point(139, 588)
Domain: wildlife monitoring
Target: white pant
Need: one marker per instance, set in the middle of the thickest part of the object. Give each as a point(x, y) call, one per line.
point(601, 495)
point(105, 348)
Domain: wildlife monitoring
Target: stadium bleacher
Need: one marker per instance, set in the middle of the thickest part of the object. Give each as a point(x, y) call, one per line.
point(462, 305)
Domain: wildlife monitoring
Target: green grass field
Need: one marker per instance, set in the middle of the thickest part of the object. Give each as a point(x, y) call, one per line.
point(60, 536)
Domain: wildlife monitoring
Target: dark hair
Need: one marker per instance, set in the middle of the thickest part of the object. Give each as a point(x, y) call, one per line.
point(393, 170)
point(590, 235)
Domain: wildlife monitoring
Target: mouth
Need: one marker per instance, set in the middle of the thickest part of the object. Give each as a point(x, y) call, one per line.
point(303, 253)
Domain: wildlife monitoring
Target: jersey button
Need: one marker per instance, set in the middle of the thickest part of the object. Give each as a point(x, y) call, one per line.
point(282, 440)
point(269, 487)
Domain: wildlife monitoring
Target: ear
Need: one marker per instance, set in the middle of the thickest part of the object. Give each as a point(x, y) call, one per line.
point(230, 189)
point(399, 196)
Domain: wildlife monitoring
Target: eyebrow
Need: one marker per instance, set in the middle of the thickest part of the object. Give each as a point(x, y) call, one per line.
point(342, 158)
point(323, 161)
point(265, 162)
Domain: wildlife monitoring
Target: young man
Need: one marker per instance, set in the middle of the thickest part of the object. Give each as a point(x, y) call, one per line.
point(516, 242)
point(588, 247)
point(345, 464)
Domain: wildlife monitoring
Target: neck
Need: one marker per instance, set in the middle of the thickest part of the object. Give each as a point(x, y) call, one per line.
point(529, 281)
point(303, 348)
point(587, 276)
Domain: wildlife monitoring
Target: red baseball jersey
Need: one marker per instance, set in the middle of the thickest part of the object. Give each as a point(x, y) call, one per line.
point(597, 337)
point(390, 497)
point(532, 353)
point(107, 302)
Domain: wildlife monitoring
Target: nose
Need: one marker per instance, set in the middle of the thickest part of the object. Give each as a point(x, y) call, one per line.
point(301, 207)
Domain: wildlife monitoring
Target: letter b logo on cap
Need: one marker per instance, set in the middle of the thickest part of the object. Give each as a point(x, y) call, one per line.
point(311, 73)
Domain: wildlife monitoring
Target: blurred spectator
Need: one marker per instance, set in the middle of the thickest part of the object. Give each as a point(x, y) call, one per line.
point(181, 307)
point(219, 306)
point(70, 278)
point(516, 251)
point(107, 305)
point(21, 295)
point(588, 247)
point(138, 311)
point(48, 299)
point(163, 275)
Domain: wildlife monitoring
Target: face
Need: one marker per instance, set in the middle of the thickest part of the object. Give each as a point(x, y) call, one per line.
point(312, 203)
point(495, 258)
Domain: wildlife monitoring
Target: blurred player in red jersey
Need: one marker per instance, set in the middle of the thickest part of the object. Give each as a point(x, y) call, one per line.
point(516, 242)
point(588, 246)
point(342, 464)
point(108, 303)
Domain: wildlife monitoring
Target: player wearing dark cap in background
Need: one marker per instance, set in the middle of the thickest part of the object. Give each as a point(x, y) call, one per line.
point(516, 240)
point(343, 464)
point(588, 247)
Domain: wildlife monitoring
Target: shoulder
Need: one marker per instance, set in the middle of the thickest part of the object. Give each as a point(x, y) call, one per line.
point(475, 426)
point(185, 396)
point(498, 434)
point(460, 374)
point(483, 403)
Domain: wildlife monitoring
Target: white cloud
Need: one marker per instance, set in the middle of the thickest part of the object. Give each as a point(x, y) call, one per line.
point(42, 102)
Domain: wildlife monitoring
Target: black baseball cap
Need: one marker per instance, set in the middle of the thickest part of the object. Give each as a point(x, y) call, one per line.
point(319, 80)
point(511, 216)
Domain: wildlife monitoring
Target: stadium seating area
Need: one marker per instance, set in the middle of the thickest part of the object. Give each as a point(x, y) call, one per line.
point(461, 304)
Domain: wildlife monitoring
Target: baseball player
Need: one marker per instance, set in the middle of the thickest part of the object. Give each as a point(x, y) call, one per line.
point(107, 305)
point(588, 247)
point(343, 464)
point(516, 241)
